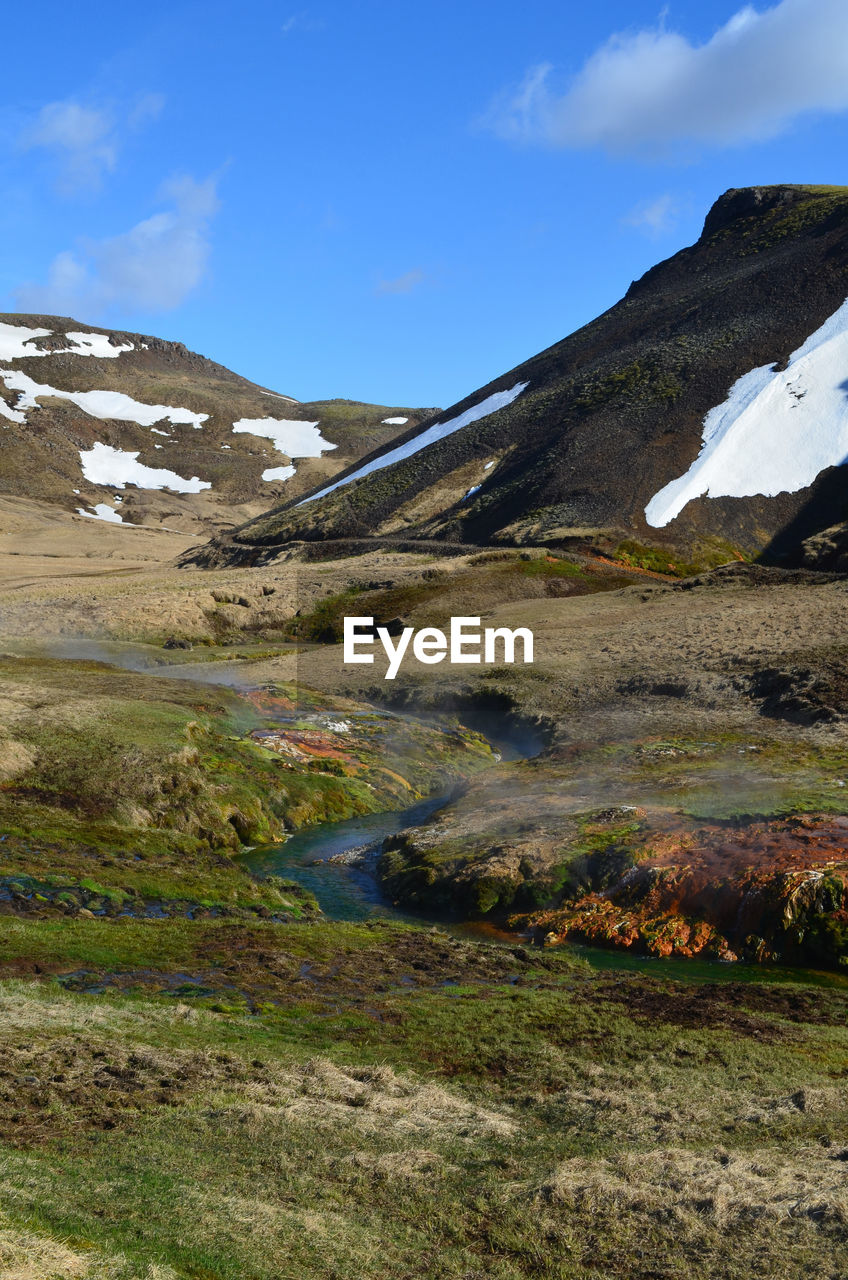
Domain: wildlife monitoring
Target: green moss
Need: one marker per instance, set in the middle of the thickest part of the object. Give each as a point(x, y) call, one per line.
point(706, 555)
point(823, 203)
point(653, 559)
point(643, 379)
point(325, 623)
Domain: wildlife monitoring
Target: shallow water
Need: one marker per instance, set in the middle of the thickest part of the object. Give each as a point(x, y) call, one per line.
point(349, 893)
point(343, 892)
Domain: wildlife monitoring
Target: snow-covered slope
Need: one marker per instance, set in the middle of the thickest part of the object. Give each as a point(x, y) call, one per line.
point(612, 437)
point(776, 431)
point(94, 420)
point(439, 431)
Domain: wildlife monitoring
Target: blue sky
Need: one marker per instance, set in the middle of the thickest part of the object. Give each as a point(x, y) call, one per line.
point(384, 201)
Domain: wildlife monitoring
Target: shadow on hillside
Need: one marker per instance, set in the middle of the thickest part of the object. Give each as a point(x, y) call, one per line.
point(826, 505)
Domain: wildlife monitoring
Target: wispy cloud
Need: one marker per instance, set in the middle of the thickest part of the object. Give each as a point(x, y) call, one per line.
point(648, 90)
point(82, 139)
point(654, 217)
point(402, 284)
point(145, 110)
point(152, 267)
point(302, 21)
point(85, 140)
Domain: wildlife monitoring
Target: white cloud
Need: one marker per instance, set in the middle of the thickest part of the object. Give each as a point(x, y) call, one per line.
point(85, 140)
point(654, 217)
point(301, 22)
point(152, 267)
point(650, 90)
point(82, 138)
point(146, 109)
point(402, 284)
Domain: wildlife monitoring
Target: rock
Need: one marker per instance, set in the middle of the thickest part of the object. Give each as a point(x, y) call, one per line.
point(85, 914)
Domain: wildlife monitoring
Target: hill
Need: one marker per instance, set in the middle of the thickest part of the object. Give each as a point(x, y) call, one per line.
point(129, 428)
point(704, 416)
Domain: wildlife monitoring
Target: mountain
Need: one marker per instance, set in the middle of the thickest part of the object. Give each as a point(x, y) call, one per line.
point(705, 415)
point(129, 428)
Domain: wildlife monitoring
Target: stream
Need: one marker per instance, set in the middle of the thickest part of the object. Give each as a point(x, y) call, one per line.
point(350, 891)
point(314, 856)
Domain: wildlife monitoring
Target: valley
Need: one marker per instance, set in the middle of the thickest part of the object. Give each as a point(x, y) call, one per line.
point(530, 969)
point(205, 1073)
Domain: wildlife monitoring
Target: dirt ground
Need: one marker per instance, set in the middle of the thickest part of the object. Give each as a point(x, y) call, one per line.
point(745, 646)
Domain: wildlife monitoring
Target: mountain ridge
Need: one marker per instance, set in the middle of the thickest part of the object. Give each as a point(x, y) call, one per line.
point(135, 429)
point(614, 412)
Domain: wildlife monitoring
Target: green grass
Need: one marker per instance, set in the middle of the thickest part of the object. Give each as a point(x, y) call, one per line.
point(706, 556)
point(550, 1127)
point(147, 787)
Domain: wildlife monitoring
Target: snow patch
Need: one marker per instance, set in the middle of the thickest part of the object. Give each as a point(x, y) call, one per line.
point(488, 464)
point(92, 344)
point(278, 473)
point(293, 438)
point(157, 432)
point(775, 432)
point(99, 404)
point(12, 415)
point(104, 465)
point(102, 511)
point(277, 396)
point(475, 488)
point(15, 340)
point(394, 422)
point(439, 430)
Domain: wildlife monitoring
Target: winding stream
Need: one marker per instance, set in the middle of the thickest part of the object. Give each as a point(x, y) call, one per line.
point(352, 892)
point(344, 892)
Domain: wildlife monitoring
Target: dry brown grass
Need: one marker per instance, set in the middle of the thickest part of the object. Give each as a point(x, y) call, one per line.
point(372, 1099)
point(689, 1189)
point(29, 1255)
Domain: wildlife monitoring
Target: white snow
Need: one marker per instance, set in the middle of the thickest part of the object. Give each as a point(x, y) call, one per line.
point(439, 430)
point(12, 415)
point(488, 464)
point(102, 511)
point(394, 422)
point(278, 473)
point(277, 396)
point(776, 430)
point(157, 432)
point(294, 439)
point(475, 488)
point(92, 344)
point(15, 339)
point(99, 404)
point(104, 465)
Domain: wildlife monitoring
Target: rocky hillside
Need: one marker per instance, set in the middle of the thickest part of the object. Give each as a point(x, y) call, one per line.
point(124, 427)
point(703, 416)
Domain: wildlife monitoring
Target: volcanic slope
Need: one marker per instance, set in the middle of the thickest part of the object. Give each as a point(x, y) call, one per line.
point(705, 414)
point(131, 429)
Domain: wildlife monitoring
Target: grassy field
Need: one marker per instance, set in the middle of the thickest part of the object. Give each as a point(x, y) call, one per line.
point(402, 1103)
point(203, 1079)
